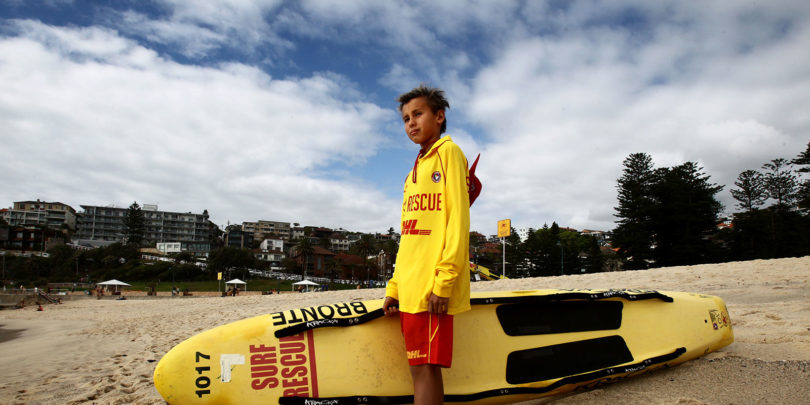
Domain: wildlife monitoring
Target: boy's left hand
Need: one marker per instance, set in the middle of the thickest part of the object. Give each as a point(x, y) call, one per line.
point(438, 305)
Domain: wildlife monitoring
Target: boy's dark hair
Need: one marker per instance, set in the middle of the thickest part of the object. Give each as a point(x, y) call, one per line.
point(435, 99)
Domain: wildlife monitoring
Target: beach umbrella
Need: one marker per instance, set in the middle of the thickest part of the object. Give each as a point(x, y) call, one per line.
point(115, 283)
point(305, 283)
point(236, 281)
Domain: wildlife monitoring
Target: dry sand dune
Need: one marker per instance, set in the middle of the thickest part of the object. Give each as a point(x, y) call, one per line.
point(104, 351)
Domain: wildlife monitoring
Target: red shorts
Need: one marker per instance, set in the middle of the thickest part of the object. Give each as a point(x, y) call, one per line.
point(428, 338)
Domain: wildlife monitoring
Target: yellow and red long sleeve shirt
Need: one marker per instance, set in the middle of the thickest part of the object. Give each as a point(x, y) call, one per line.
point(433, 254)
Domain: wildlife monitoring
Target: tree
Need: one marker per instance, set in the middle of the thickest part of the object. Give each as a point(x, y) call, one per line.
point(780, 182)
point(595, 261)
point(514, 254)
point(803, 160)
point(570, 245)
point(305, 249)
point(633, 235)
point(548, 256)
point(365, 247)
point(533, 252)
point(228, 258)
point(390, 248)
point(134, 225)
point(752, 192)
point(331, 266)
point(685, 213)
point(803, 194)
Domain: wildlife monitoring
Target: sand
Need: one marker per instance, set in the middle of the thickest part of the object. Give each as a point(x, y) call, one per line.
point(104, 351)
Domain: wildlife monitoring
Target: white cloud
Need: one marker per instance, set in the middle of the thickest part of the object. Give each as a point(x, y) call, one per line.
point(83, 121)
point(553, 94)
point(563, 111)
point(196, 28)
point(190, 39)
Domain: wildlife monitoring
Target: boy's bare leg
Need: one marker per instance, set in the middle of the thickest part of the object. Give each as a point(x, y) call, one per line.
point(428, 388)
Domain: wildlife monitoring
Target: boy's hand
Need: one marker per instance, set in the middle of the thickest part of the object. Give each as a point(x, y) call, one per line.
point(390, 306)
point(438, 305)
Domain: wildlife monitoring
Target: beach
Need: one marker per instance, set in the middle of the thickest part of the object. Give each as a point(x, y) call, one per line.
point(90, 351)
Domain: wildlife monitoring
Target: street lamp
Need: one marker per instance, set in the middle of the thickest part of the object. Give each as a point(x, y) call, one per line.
point(561, 258)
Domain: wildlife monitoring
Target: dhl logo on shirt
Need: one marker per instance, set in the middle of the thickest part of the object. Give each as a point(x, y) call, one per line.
point(409, 228)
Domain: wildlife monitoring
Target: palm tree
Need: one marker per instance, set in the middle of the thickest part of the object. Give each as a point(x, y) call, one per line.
point(390, 248)
point(305, 249)
point(332, 265)
point(365, 247)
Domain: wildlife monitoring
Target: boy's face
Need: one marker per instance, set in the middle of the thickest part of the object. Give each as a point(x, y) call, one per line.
point(422, 125)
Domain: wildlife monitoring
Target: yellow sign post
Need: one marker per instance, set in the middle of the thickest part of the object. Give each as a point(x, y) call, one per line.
point(504, 230)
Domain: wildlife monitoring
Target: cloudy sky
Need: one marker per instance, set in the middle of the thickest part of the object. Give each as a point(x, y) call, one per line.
point(285, 110)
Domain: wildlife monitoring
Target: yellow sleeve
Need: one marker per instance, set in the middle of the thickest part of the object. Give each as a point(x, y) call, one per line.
point(457, 232)
point(392, 289)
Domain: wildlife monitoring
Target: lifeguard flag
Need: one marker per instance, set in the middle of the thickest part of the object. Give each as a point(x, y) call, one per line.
point(475, 185)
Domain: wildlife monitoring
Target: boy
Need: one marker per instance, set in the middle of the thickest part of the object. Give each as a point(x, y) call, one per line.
point(431, 280)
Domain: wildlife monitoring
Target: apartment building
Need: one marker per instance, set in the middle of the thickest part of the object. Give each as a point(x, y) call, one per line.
point(262, 229)
point(107, 224)
point(340, 242)
point(236, 237)
point(30, 238)
point(271, 250)
point(54, 215)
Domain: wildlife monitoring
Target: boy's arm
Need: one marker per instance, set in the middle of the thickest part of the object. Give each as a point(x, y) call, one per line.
point(457, 238)
point(391, 301)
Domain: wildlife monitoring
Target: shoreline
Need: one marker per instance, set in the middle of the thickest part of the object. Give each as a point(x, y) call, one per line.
point(87, 351)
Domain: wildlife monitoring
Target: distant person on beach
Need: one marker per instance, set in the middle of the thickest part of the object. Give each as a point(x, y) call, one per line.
point(431, 282)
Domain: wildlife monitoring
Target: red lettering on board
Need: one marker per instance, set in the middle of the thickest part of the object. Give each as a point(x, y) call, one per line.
point(289, 366)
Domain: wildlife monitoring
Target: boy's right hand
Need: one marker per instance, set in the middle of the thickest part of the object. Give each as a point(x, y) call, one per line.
point(390, 306)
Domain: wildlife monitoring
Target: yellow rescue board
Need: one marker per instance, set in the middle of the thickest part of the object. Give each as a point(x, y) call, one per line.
point(511, 346)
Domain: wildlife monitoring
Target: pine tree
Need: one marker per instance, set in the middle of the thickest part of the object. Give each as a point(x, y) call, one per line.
point(685, 214)
point(633, 235)
point(134, 225)
point(803, 193)
point(803, 160)
point(751, 193)
point(781, 182)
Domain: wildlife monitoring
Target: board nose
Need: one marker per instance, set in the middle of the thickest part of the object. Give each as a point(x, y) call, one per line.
point(165, 375)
